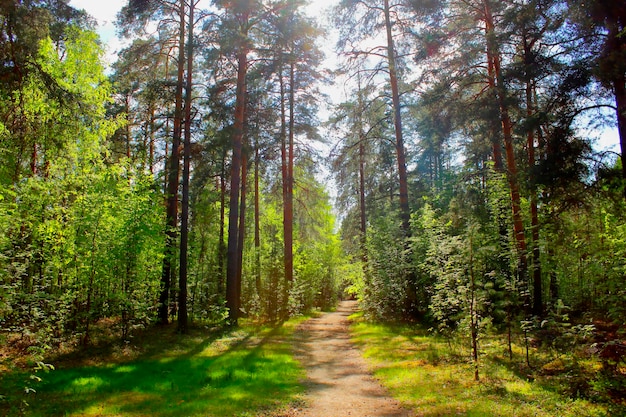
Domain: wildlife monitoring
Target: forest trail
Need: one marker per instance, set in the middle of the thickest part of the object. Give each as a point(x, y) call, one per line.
point(338, 381)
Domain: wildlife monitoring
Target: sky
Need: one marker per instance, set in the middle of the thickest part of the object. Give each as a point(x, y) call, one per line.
point(105, 12)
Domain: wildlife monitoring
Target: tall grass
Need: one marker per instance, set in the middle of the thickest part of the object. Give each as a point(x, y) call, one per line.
point(434, 376)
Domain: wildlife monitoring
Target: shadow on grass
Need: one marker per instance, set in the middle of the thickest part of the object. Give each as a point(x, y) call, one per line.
point(240, 375)
point(434, 377)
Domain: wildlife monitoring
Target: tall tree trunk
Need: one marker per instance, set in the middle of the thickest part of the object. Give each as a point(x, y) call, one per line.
point(221, 247)
point(613, 60)
point(619, 86)
point(288, 219)
point(405, 213)
point(361, 138)
point(554, 283)
point(151, 132)
point(507, 133)
point(173, 179)
point(232, 294)
point(284, 157)
point(257, 222)
point(242, 220)
point(184, 232)
point(128, 126)
point(534, 209)
point(362, 212)
point(498, 164)
point(474, 320)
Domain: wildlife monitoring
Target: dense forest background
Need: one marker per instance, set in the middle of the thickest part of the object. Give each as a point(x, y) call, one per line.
point(187, 182)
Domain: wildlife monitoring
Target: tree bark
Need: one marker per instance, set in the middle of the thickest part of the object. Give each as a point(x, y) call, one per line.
point(242, 221)
point(173, 179)
point(257, 222)
point(290, 182)
point(287, 222)
point(362, 213)
point(151, 132)
point(184, 233)
point(611, 63)
point(534, 209)
point(496, 146)
point(361, 138)
point(232, 294)
point(474, 320)
point(221, 247)
point(619, 86)
point(507, 133)
point(405, 213)
point(128, 125)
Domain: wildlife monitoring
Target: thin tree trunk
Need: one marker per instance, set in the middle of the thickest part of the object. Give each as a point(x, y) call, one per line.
point(33, 160)
point(362, 212)
point(405, 213)
point(151, 141)
point(257, 222)
point(363, 215)
point(288, 218)
point(285, 183)
point(92, 278)
point(232, 294)
point(166, 173)
point(498, 163)
point(534, 210)
point(242, 220)
point(554, 283)
point(473, 314)
point(184, 232)
point(173, 179)
point(619, 86)
point(128, 132)
point(221, 248)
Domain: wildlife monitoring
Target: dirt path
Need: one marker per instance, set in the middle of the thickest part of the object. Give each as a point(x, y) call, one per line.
point(339, 384)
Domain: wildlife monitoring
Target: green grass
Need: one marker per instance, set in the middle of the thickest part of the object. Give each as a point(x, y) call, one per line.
point(434, 378)
point(236, 373)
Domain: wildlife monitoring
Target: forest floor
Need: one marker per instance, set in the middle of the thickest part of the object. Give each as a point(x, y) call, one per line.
point(339, 382)
point(334, 364)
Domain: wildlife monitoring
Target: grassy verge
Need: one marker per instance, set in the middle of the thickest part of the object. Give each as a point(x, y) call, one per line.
point(435, 378)
point(237, 372)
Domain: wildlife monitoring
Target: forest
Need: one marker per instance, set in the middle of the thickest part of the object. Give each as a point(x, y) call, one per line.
point(443, 167)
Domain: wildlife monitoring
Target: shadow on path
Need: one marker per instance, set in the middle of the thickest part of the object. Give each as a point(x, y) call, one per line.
point(338, 381)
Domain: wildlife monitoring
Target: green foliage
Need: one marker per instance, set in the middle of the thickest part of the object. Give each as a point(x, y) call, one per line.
point(318, 259)
point(426, 373)
point(205, 300)
point(79, 237)
point(458, 265)
point(614, 251)
point(318, 255)
point(386, 281)
point(353, 279)
point(213, 373)
point(557, 332)
point(87, 252)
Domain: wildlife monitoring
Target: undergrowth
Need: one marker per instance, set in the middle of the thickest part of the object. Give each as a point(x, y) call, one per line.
point(435, 375)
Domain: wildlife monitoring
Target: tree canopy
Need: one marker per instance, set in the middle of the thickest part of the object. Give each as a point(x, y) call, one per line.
point(192, 181)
